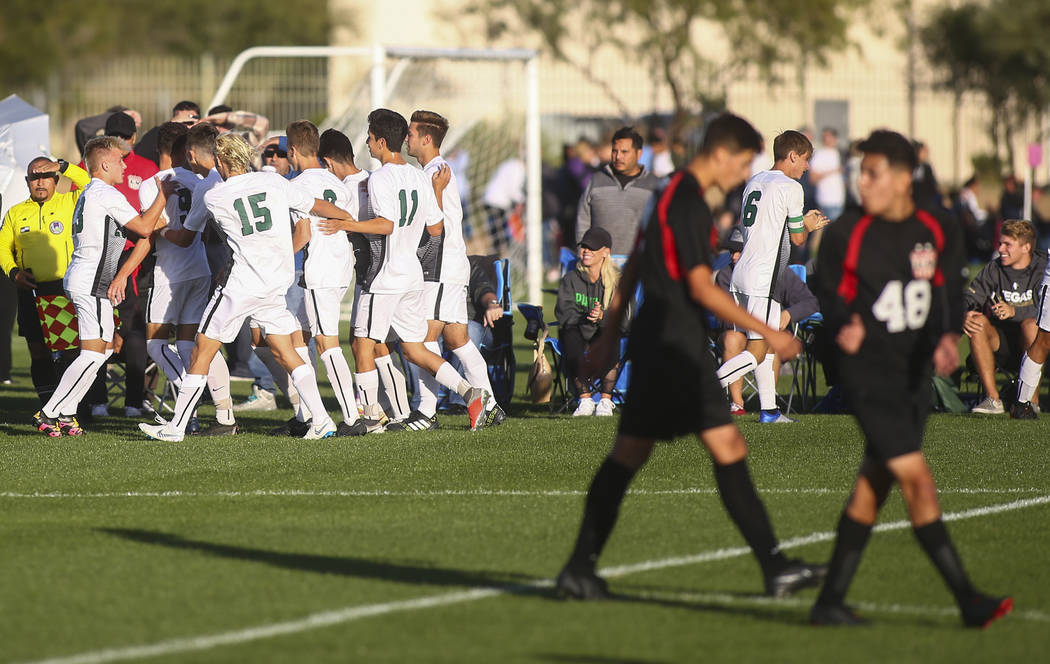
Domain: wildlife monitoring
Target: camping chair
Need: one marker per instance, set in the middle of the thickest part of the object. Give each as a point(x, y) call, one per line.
point(804, 367)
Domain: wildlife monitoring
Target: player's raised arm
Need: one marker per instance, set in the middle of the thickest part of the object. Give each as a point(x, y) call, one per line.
point(151, 220)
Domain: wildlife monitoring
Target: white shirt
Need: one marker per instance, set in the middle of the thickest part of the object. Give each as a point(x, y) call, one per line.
point(357, 185)
point(772, 205)
point(98, 238)
point(831, 189)
point(175, 263)
point(506, 188)
point(328, 260)
point(253, 210)
point(404, 195)
point(453, 267)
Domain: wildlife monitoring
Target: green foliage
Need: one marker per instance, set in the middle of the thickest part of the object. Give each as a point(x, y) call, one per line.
point(38, 38)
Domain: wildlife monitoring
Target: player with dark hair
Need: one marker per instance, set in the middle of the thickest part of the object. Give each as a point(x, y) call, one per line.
point(889, 283)
point(673, 389)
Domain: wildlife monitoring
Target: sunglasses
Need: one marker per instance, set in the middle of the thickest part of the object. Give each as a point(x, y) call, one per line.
point(270, 154)
point(47, 175)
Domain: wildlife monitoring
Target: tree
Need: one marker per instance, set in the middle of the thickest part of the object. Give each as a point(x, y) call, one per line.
point(663, 34)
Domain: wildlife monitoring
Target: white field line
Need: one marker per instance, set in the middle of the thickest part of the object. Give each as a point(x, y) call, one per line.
point(352, 613)
point(442, 493)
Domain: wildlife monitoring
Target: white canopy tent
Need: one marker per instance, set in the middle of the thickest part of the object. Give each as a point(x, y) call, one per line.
point(24, 135)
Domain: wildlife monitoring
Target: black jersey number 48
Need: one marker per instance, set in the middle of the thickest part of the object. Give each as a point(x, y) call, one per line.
point(903, 306)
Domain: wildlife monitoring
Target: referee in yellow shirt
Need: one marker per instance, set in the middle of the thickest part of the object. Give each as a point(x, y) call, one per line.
point(36, 242)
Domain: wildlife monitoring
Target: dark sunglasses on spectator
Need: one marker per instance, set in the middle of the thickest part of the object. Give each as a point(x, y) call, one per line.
point(44, 175)
point(270, 153)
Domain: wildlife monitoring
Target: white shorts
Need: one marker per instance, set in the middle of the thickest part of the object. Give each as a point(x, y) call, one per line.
point(181, 303)
point(226, 312)
point(445, 302)
point(295, 302)
point(765, 309)
point(379, 314)
point(322, 309)
point(94, 316)
point(1044, 307)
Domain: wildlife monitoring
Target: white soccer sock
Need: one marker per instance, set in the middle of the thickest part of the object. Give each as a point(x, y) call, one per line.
point(75, 382)
point(767, 384)
point(475, 369)
point(1030, 375)
point(169, 362)
point(219, 386)
point(427, 386)
point(368, 383)
point(305, 381)
point(342, 382)
point(450, 378)
point(395, 386)
point(185, 352)
point(304, 352)
point(187, 398)
point(736, 368)
point(280, 377)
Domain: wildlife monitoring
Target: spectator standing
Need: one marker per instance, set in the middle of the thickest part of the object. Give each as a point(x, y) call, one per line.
point(504, 193)
point(184, 112)
point(924, 188)
point(826, 174)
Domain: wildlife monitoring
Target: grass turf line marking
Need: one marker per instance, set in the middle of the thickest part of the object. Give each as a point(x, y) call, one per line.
point(351, 613)
point(440, 493)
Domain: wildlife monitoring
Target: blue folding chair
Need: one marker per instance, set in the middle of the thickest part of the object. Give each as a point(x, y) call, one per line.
point(502, 365)
point(804, 366)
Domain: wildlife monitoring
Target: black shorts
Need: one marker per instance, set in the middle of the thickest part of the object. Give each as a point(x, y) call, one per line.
point(1011, 344)
point(672, 394)
point(891, 414)
point(29, 326)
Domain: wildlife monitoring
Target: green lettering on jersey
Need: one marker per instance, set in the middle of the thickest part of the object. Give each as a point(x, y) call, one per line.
point(329, 196)
point(751, 208)
point(185, 202)
point(261, 213)
point(406, 216)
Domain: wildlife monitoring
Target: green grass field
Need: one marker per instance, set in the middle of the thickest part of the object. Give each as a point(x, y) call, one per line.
point(441, 547)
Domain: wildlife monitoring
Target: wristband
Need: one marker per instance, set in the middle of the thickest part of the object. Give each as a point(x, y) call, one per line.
point(62, 165)
point(14, 272)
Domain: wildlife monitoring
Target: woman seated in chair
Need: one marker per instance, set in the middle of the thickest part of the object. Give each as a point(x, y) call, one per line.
point(583, 296)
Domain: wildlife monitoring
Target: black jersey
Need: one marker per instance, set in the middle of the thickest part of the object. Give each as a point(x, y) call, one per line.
point(905, 281)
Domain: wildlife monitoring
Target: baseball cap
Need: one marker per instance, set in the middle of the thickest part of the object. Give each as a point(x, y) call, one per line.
point(280, 148)
point(735, 240)
point(596, 238)
point(121, 125)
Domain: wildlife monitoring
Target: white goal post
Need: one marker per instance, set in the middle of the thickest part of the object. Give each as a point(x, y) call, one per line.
point(378, 86)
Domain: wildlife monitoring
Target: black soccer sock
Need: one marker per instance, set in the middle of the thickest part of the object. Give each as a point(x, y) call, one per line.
point(749, 514)
point(601, 509)
point(850, 541)
point(938, 546)
point(45, 378)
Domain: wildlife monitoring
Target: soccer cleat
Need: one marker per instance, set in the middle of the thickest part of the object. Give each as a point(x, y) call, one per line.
point(69, 426)
point(292, 427)
point(835, 614)
point(48, 425)
point(325, 430)
point(983, 610)
point(417, 421)
point(774, 417)
point(495, 416)
point(736, 409)
point(161, 432)
point(581, 584)
point(395, 425)
point(476, 398)
point(220, 430)
point(260, 399)
point(1022, 410)
point(131, 411)
point(586, 408)
point(795, 575)
point(358, 428)
point(193, 427)
point(375, 425)
point(989, 406)
point(100, 410)
point(605, 408)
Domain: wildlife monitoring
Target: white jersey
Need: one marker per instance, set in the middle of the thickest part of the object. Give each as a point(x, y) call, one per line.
point(253, 210)
point(404, 195)
point(98, 238)
point(176, 264)
point(328, 259)
point(357, 185)
point(199, 216)
point(450, 265)
point(772, 207)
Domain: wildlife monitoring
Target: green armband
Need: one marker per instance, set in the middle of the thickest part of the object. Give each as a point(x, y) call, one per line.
point(796, 225)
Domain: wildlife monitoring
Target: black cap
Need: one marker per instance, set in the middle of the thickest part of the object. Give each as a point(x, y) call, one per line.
point(735, 240)
point(596, 238)
point(121, 125)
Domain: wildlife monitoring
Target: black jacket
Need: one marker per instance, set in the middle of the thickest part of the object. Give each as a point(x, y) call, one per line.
point(576, 298)
point(1015, 287)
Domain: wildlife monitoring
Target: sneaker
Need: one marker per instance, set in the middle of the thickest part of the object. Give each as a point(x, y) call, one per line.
point(131, 411)
point(292, 427)
point(6, 381)
point(217, 429)
point(395, 425)
point(1022, 410)
point(48, 425)
point(417, 421)
point(260, 399)
point(358, 428)
point(586, 408)
point(495, 416)
point(100, 410)
point(736, 409)
point(989, 406)
point(325, 430)
point(373, 425)
point(835, 614)
point(1035, 407)
point(161, 432)
point(796, 574)
point(476, 399)
point(193, 427)
point(581, 584)
point(69, 426)
point(983, 610)
point(605, 408)
point(774, 417)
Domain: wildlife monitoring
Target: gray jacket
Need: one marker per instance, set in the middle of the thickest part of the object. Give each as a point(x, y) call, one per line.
point(616, 209)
